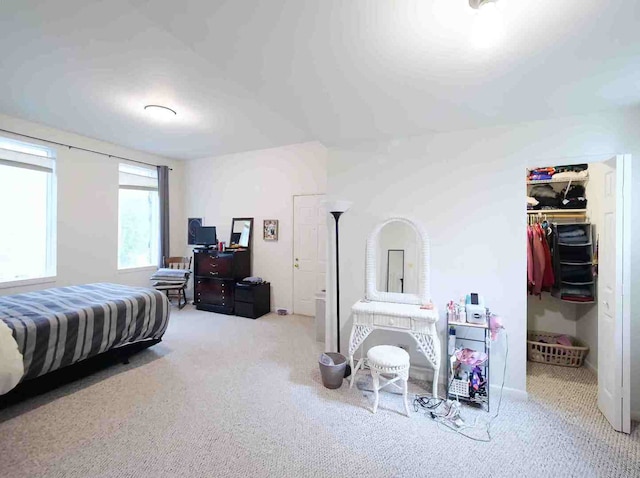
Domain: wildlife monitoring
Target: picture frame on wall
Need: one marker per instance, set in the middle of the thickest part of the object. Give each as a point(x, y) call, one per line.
point(270, 230)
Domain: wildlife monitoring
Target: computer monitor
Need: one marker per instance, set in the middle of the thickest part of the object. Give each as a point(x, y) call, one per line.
point(206, 236)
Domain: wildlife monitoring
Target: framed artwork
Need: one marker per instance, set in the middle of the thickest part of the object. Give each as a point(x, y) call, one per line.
point(193, 223)
point(270, 230)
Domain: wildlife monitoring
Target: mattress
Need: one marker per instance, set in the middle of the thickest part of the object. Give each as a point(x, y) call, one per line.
point(57, 327)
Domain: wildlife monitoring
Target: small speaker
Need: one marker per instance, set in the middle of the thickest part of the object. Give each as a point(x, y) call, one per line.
point(193, 224)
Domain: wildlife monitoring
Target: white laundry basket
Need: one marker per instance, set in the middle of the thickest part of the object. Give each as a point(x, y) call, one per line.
point(540, 348)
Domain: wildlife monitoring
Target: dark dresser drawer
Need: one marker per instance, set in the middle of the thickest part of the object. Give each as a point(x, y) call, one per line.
point(253, 300)
point(214, 265)
point(214, 291)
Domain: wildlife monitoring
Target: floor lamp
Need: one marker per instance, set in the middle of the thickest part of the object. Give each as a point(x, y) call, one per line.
point(337, 208)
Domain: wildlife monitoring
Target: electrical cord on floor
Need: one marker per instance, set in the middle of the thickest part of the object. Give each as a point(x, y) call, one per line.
point(449, 419)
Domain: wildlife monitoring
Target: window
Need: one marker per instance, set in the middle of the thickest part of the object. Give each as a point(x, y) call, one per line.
point(139, 217)
point(27, 211)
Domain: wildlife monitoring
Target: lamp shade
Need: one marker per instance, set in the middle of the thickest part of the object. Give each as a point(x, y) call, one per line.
point(338, 205)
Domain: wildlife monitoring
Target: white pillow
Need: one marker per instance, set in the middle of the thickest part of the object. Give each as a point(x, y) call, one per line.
point(11, 365)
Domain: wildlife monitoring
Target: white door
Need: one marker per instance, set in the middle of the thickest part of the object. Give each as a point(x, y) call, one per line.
point(613, 310)
point(309, 251)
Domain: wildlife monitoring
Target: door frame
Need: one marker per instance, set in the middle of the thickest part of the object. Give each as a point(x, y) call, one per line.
point(622, 349)
point(293, 244)
point(389, 251)
point(626, 161)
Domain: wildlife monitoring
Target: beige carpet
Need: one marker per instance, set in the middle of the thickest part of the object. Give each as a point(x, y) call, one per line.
point(227, 396)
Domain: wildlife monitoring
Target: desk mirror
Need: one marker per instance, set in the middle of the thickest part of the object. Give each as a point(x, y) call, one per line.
point(241, 232)
point(397, 259)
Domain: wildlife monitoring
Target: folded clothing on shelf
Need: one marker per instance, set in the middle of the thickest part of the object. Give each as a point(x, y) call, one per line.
point(539, 177)
point(570, 231)
point(571, 175)
point(571, 167)
point(576, 293)
point(573, 235)
point(543, 191)
point(573, 203)
point(541, 172)
point(575, 298)
point(573, 191)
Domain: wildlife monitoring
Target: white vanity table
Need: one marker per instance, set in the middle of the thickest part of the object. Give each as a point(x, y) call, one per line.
point(394, 311)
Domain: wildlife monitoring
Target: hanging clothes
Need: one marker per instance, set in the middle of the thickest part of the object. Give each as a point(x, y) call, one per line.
point(540, 272)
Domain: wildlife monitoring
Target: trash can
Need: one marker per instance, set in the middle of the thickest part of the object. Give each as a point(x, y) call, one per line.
point(332, 368)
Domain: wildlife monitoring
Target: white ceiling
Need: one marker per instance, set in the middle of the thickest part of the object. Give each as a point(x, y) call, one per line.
point(247, 75)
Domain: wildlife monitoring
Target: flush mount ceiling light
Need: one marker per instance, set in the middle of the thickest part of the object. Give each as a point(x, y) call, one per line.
point(480, 3)
point(488, 27)
point(160, 112)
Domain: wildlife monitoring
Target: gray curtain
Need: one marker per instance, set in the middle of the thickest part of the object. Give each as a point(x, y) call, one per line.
point(163, 193)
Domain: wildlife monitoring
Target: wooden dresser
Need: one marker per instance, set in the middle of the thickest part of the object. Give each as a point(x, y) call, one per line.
point(215, 276)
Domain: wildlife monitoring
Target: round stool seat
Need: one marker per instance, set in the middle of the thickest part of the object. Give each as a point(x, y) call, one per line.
point(388, 357)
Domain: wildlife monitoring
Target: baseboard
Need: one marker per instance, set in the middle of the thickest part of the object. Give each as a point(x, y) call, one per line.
point(512, 393)
point(590, 366)
point(420, 372)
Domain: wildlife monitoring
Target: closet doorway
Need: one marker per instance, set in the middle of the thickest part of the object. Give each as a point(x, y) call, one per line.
point(578, 274)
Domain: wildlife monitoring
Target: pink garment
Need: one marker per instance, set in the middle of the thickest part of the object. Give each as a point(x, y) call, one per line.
point(539, 262)
point(495, 325)
point(529, 257)
point(471, 357)
point(563, 340)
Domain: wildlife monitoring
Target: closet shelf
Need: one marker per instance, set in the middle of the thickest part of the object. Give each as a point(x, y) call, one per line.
point(570, 244)
point(549, 181)
point(577, 283)
point(556, 211)
point(569, 263)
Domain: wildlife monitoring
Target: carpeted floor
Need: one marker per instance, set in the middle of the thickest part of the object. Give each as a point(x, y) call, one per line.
point(225, 396)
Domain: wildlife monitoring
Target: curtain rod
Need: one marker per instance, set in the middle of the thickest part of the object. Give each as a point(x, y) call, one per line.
point(70, 146)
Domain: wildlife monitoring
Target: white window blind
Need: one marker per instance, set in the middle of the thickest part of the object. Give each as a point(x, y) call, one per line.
point(139, 217)
point(28, 211)
point(26, 160)
point(134, 177)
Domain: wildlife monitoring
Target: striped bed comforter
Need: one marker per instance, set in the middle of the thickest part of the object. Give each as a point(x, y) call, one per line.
point(58, 327)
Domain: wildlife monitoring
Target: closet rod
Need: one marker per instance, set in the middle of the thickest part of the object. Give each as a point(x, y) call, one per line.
point(70, 146)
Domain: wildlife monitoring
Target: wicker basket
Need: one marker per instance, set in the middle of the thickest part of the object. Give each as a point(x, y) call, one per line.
point(555, 354)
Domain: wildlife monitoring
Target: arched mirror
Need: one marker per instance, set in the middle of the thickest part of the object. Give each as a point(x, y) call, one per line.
point(397, 263)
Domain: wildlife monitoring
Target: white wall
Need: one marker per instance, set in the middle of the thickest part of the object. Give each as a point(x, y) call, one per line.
point(259, 184)
point(549, 314)
point(87, 207)
point(467, 188)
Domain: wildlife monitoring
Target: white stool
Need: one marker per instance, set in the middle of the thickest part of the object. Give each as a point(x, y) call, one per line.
point(389, 360)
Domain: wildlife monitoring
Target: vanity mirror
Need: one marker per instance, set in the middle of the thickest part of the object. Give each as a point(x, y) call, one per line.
point(241, 232)
point(395, 247)
point(397, 261)
point(397, 258)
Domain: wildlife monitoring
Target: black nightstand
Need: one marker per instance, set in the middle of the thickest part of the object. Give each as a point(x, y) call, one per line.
point(252, 300)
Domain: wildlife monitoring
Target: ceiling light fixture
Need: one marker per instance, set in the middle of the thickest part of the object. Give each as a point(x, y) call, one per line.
point(160, 112)
point(479, 3)
point(488, 28)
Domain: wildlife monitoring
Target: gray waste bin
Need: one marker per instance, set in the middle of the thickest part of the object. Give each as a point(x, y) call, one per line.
point(332, 375)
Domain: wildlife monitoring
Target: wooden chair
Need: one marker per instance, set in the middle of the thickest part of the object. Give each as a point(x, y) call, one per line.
point(177, 263)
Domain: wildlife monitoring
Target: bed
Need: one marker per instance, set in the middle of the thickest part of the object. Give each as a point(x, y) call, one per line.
point(54, 328)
